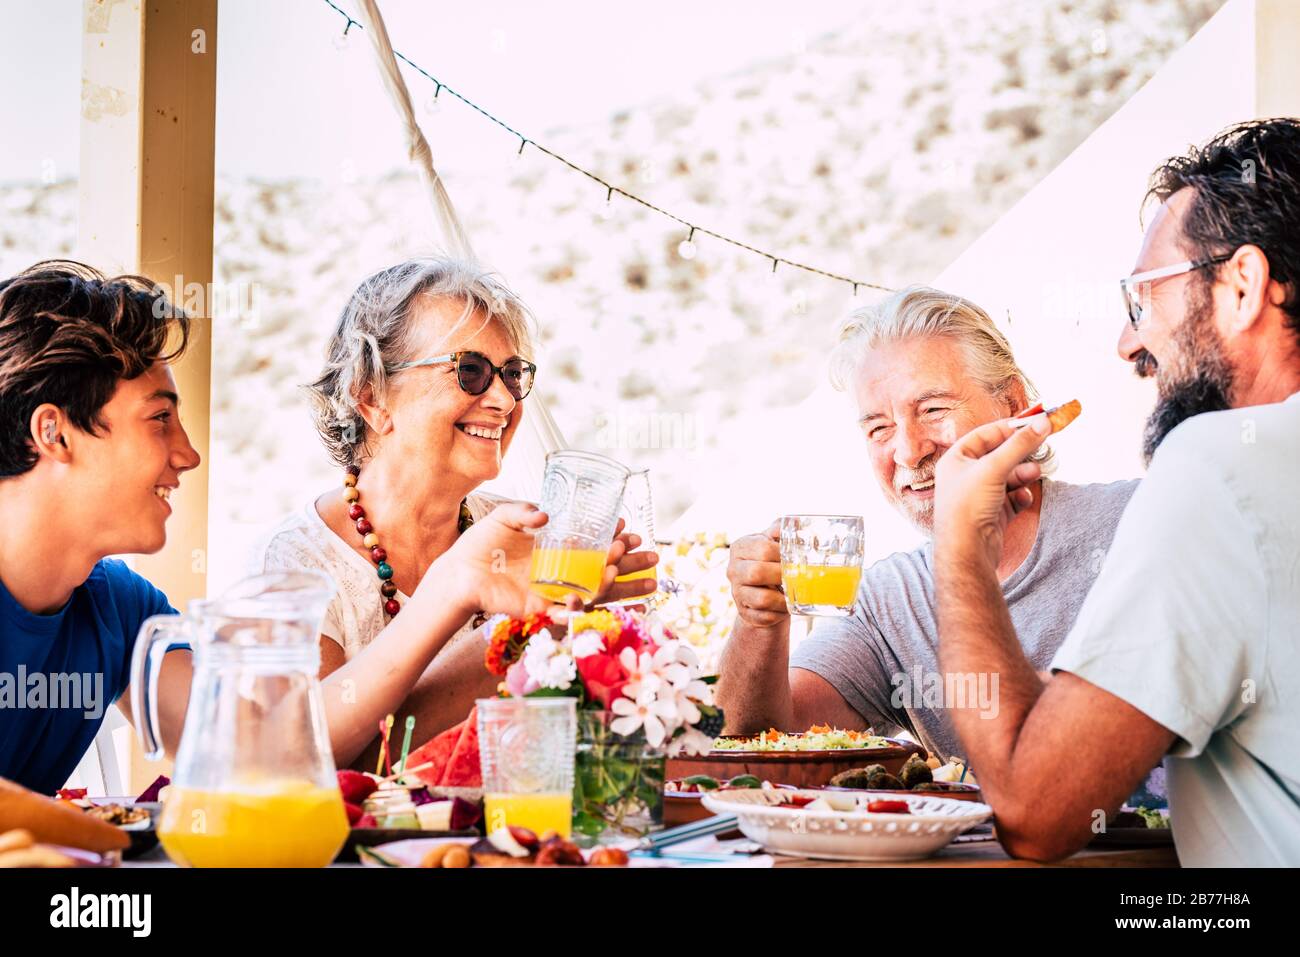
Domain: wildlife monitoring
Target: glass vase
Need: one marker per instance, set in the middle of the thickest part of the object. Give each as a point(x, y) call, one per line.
point(618, 790)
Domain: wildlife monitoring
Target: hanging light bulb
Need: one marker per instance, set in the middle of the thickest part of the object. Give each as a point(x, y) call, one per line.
point(432, 106)
point(686, 248)
point(604, 208)
point(342, 41)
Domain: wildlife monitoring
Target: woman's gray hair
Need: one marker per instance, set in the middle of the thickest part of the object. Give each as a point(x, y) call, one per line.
point(374, 332)
point(919, 312)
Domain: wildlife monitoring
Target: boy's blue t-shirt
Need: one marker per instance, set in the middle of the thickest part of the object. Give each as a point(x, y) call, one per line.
point(60, 672)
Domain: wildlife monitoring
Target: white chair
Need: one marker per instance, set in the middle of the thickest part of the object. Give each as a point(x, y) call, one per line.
point(99, 770)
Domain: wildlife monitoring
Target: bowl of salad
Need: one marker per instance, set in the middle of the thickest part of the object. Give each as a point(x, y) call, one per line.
point(803, 759)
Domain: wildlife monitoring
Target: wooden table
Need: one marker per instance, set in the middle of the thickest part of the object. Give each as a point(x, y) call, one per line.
point(991, 854)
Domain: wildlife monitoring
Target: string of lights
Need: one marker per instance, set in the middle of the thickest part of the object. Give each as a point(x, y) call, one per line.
point(686, 248)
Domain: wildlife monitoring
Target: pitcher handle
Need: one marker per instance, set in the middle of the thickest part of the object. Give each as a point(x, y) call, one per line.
point(158, 635)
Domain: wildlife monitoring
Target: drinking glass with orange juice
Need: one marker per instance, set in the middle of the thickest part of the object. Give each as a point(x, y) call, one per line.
point(821, 563)
point(581, 494)
point(638, 514)
point(526, 748)
point(254, 782)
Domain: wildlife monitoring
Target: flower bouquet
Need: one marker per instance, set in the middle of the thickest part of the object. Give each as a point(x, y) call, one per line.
point(641, 697)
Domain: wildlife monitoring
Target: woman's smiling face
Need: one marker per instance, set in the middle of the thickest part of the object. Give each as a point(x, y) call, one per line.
point(459, 437)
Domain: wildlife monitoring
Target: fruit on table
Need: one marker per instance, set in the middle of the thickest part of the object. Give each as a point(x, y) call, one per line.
point(356, 786)
point(452, 756)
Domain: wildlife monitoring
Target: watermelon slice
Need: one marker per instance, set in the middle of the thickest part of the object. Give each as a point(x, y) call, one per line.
point(463, 769)
point(440, 751)
point(435, 752)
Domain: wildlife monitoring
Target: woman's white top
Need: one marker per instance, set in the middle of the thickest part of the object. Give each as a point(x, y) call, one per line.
point(355, 615)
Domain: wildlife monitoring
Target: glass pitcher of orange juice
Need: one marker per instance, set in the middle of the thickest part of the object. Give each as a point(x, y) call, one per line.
point(581, 496)
point(254, 782)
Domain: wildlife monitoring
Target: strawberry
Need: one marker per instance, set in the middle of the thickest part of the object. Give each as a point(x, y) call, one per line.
point(356, 787)
point(355, 813)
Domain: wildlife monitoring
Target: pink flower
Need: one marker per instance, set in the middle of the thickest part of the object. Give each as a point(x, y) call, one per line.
point(518, 681)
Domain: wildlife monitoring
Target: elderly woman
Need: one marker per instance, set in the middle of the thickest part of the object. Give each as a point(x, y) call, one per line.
point(423, 390)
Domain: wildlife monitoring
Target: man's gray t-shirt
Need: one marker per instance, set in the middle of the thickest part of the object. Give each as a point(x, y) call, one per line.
point(884, 658)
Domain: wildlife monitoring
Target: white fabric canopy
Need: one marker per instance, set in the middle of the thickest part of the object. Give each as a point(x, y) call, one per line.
point(521, 475)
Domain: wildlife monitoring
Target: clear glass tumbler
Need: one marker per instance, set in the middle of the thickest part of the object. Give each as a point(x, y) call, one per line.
point(638, 514)
point(526, 747)
point(581, 495)
point(821, 563)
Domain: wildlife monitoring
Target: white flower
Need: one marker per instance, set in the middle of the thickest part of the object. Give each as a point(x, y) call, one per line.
point(642, 679)
point(549, 663)
point(687, 699)
point(646, 712)
point(589, 642)
point(691, 741)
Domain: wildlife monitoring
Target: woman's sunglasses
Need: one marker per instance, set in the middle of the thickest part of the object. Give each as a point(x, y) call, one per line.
point(475, 371)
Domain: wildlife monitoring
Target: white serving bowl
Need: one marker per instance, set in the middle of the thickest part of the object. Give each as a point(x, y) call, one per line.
point(848, 835)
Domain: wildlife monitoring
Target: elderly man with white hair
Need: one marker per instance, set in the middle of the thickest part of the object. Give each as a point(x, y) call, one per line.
point(925, 367)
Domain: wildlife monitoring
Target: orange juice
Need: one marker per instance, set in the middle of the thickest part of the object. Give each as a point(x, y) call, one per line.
point(649, 573)
point(537, 812)
point(559, 572)
point(283, 824)
point(824, 585)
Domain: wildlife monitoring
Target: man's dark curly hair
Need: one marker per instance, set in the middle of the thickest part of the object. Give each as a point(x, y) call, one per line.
point(1246, 191)
point(68, 335)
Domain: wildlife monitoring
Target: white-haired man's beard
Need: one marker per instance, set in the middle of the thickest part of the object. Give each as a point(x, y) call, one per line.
point(1198, 380)
point(918, 511)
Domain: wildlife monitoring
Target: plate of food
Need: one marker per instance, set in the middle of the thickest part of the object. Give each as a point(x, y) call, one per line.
point(915, 777)
point(137, 817)
point(505, 847)
point(804, 759)
point(37, 830)
point(683, 796)
point(848, 826)
point(1136, 827)
point(383, 810)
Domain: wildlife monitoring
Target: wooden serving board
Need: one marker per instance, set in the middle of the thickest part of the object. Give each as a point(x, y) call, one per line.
point(799, 768)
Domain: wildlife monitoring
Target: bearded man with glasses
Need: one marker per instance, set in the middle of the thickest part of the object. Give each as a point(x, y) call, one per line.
point(1187, 648)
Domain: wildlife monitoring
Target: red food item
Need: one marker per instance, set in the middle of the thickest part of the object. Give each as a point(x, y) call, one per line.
point(796, 800)
point(889, 807)
point(355, 814)
point(356, 787)
point(153, 791)
point(1032, 410)
point(463, 767)
point(435, 752)
point(524, 837)
point(71, 794)
point(366, 820)
point(452, 757)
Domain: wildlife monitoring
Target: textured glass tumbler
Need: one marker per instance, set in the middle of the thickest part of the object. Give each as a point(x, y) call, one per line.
point(526, 747)
point(581, 496)
point(821, 563)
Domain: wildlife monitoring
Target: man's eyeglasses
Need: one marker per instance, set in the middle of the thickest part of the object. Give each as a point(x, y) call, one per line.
point(1136, 289)
point(475, 371)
